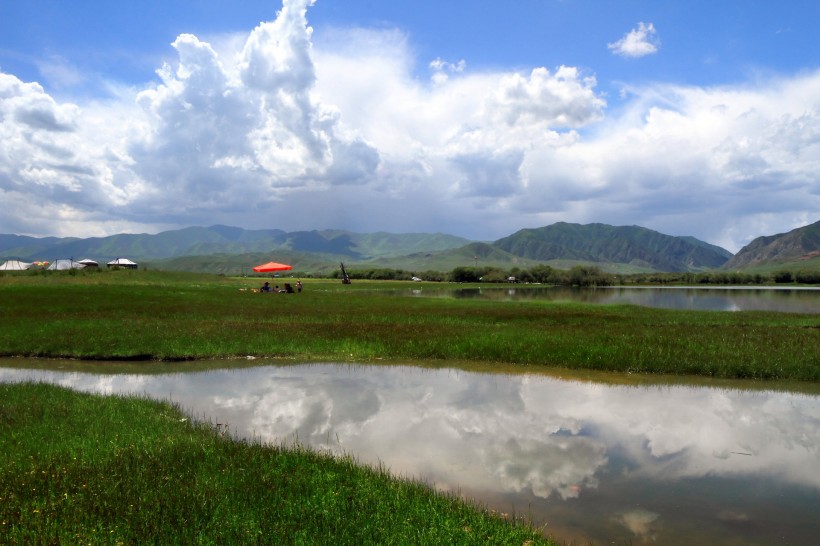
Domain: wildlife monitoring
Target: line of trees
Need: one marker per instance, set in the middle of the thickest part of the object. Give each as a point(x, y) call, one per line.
point(727, 277)
point(578, 275)
point(583, 275)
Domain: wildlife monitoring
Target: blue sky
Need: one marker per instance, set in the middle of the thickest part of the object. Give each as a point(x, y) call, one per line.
point(473, 118)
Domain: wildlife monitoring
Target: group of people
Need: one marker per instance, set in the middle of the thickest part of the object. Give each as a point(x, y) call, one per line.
point(288, 289)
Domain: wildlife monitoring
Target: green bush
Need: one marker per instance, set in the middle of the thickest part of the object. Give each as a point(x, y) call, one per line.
point(807, 277)
point(783, 277)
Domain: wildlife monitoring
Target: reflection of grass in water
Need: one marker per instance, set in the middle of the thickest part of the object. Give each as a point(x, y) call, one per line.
point(152, 315)
point(80, 468)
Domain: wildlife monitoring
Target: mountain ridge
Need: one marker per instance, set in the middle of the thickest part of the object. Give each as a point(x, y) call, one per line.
point(613, 248)
point(220, 239)
point(603, 243)
point(801, 243)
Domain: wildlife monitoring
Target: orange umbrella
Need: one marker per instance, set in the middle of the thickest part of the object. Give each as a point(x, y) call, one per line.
point(271, 266)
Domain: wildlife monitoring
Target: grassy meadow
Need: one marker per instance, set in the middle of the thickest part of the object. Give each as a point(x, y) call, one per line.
point(81, 468)
point(148, 315)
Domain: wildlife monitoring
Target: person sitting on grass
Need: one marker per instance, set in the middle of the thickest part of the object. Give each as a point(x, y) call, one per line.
point(265, 287)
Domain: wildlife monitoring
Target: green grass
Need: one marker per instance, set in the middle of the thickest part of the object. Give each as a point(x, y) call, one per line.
point(87, 469)
point(79, 468)
point(794, 266)
point(139, 315)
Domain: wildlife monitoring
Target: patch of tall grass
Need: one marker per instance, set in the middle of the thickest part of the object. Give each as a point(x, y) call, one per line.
point(87, 469)
point(161, 316)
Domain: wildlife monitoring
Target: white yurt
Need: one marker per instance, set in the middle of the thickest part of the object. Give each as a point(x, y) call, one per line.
point(122, 262)
point(64, 265)
point(14, 265)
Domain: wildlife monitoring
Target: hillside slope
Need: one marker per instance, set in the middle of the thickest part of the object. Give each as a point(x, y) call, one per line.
point(798, 244)
point(603, 243)
point(225, 249)
point(201, 241)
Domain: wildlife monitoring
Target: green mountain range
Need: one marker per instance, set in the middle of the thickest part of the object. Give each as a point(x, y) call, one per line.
point(601, 243)
point(200, 241)
point(232, 250)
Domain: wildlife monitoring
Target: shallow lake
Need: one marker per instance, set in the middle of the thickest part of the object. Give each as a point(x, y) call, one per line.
point(786, 300)
point(591, 462)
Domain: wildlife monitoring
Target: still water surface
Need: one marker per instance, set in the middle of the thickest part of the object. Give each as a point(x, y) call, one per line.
point(785, 300)
point(591, 462)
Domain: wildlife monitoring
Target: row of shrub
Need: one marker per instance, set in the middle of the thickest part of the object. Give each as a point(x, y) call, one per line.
point(584, 275)
point(578, 275)
point(727, 277)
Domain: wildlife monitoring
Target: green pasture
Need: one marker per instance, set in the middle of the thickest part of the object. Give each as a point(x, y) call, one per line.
point(795, 266)
point(80, 468)
point(148, 315)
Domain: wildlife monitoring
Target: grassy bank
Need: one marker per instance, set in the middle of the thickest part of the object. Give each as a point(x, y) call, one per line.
point(151, 315)
point(139, 472)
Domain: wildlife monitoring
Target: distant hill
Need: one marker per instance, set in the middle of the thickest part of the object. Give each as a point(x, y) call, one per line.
point(619, 250)
point(23, 247)
point(801, 244)
point(200, 241)
point(225, 249)
point(605, 244)
point(472, 254)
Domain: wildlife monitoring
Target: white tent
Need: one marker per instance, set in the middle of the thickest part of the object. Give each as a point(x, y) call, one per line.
point(89, 263)
point(14, 265)
point(63, 265)
point(122, 262)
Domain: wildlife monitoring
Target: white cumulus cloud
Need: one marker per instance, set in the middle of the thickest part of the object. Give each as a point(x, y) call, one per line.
point(638, 42)
point(282, 128)
point(249, 127)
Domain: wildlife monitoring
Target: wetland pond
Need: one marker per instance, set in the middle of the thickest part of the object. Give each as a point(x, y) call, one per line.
point(701, 298)
point(589, 461)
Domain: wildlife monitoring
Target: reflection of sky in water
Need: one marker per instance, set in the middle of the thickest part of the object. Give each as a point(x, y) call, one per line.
point(593, 461)
point(717, 299)
point(791, 300)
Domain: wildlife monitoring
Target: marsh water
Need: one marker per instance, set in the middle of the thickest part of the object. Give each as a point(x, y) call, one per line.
point(703, 298)
point(589, 461)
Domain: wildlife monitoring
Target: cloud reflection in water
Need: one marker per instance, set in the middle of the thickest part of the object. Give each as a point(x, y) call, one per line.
point(502, 436)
